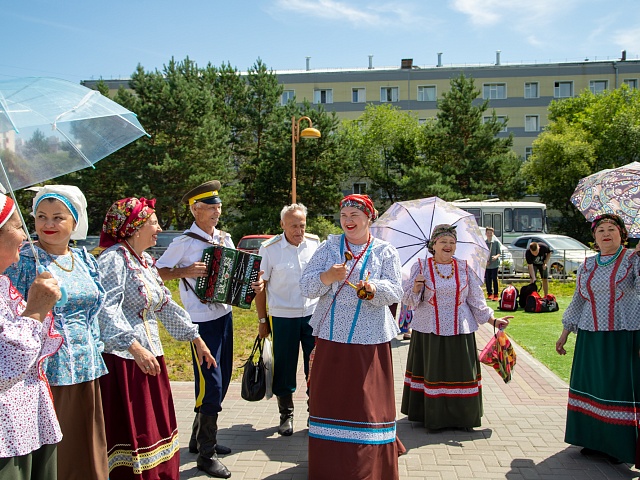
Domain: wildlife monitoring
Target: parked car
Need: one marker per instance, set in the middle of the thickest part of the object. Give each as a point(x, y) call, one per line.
point(90, 243)
point(507, 266)
point(568, 253)
point(164, 239)
point(251, 243)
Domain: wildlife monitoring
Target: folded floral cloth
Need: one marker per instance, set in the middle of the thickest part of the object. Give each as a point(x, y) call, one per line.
point(499, 353)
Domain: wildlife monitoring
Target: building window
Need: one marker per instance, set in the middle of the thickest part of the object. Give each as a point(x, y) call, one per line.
point(427, 93)
point(531, 123)
point(360, 188)
point(531, 90)
point(501, 119)
point(388, 94)
point(422, 121)
point(528, 151)
point(323, 96)
point(631, 82)
point(287, 96)
point(494, 91)
point(563, 89)
point(597, 86)
point(358, 95)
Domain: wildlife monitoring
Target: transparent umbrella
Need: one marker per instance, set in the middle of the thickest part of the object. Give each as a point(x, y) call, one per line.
point(50, 127)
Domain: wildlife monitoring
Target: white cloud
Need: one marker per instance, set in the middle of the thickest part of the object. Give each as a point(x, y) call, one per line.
point(359, 15)
point(627, 39)
point(486, 13)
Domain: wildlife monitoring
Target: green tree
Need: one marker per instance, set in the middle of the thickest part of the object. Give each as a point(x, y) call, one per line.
point(383, 142)
point(466, 150)
point(586, 134)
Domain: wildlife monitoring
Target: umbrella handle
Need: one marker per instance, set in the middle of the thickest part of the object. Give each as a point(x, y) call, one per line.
point(63, 290)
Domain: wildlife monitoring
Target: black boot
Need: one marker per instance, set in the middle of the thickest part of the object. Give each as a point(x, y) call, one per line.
point(207, 438)
point(285, 405)
point(193, 443)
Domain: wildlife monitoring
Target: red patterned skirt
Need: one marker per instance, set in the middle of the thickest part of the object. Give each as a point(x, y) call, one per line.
point(352, 412)
point(141, 426)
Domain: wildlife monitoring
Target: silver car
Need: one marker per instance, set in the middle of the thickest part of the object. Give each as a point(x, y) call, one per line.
point(568, 253)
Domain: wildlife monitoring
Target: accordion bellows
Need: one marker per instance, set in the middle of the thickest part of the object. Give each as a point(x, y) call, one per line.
point(230, 273)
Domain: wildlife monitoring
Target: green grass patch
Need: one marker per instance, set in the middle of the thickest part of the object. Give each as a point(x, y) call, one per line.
point(535, 332)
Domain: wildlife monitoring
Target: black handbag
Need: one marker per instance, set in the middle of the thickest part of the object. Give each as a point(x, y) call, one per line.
point(254, 379)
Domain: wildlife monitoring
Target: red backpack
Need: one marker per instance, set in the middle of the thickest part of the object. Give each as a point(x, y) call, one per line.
point(509, 299)
point(534, 303)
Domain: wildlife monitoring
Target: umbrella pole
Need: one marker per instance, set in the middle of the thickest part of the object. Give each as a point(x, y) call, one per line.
point(24, 224)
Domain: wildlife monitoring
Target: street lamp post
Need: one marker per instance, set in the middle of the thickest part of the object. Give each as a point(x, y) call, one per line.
point(296, 134)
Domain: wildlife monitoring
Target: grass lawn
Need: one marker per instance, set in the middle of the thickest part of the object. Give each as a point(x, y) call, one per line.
point(535, 332)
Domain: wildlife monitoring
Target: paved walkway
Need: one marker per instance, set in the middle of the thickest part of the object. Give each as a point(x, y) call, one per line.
point(521, 435)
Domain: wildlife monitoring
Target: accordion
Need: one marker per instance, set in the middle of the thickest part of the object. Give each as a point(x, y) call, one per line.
point(230, 273)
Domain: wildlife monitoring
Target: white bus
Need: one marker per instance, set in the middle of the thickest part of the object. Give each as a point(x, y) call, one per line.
point(509, 219)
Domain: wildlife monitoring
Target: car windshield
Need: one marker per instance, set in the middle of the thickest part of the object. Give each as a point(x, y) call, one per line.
point(561, 243)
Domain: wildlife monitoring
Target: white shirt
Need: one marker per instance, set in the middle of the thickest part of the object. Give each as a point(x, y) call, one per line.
point(283, 264)
point(184, 251)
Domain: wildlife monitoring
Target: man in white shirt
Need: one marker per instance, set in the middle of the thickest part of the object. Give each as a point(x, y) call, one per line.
point(182, 259)
point(283, 260)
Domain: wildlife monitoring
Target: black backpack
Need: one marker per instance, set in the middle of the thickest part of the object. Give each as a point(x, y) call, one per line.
point(526, 291)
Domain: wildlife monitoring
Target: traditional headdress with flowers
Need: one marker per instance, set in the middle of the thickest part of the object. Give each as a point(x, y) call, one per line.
point(124, 218)
point(614, 220)
point(361, 202)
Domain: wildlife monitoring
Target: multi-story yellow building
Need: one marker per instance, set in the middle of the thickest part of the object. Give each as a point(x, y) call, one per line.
point(521, 93)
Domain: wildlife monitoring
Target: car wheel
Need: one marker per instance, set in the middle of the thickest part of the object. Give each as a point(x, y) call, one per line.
point(557, 271)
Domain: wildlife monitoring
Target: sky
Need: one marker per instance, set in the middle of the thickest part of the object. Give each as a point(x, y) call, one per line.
point(87, 40)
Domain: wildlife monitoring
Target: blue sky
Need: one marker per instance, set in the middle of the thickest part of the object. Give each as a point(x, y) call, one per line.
point(79, 40)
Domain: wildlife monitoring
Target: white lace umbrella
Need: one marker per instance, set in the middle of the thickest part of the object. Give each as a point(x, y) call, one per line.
point(408, 225)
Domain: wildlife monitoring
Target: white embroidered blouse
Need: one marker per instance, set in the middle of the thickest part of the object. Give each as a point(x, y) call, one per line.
point(453, 305)
point(340, 316)
point(27, 416)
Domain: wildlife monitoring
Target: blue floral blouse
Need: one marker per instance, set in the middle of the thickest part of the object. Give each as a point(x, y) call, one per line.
point(80, 356)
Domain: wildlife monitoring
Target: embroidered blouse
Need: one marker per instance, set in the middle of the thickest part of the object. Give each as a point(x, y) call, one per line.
point(27, 416)
point(448, 306)
point(340, 315)
point(136, 300)
point(606, 297)
point(80, 357)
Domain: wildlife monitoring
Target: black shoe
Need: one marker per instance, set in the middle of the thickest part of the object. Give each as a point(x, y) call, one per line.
point(193, 447)
point(222, 450)
point(286, 427)
point(213, 467)
point(285, 406)
point(588, 452)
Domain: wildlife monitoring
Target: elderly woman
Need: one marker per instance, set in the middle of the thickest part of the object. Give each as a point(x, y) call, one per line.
point(142, 432)
point(442, 380)
point(60, 216)
point(28, 425)
point(604, 390)
point(352, 431)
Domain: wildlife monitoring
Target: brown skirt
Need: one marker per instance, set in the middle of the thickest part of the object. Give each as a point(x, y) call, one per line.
point(142, 431)
point(352, 412)
point(82, 452)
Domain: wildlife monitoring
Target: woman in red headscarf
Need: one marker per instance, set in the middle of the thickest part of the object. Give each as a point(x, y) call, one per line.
point(142, 432)
point(352, 413)
point(604, 390)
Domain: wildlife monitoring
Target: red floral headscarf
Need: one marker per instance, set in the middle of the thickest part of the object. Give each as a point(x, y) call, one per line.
point(124, 218)
point(361, 202)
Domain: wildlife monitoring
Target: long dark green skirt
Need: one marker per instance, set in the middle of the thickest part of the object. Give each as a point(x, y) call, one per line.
point(442, 384)
point(604, 393)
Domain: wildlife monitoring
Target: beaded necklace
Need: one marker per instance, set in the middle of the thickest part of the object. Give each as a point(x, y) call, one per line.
point(73, 263)
point(613, 258)
point(445, 277)
point(357, 257)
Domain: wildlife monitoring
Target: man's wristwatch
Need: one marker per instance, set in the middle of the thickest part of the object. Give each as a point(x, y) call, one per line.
point(262, 320)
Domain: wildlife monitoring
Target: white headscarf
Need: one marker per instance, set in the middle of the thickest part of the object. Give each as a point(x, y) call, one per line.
point(72, 198)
